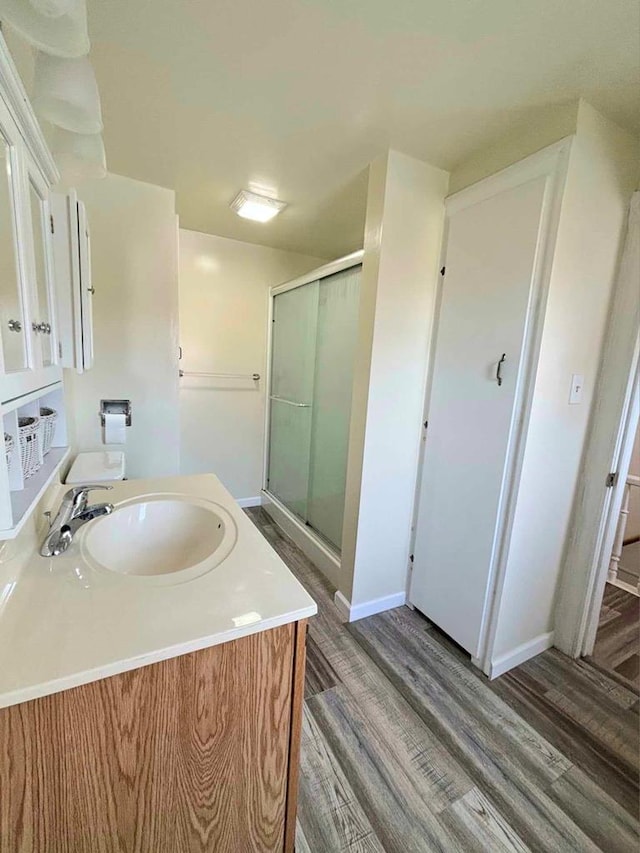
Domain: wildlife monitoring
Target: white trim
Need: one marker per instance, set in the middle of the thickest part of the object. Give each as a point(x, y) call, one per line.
point(353, 612)
point(324, 271)
point(320, 554)
point(248, 502)
point(612, 502)
point(535, 165)
point(520, 654)
point(17, 101)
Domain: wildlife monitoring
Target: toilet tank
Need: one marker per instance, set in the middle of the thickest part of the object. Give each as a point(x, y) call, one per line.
point(100, 466)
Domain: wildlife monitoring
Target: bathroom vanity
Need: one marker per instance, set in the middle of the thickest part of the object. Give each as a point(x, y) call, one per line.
point(151, 681)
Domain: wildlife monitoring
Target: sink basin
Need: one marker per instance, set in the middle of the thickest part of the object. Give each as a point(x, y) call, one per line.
point(161, 535)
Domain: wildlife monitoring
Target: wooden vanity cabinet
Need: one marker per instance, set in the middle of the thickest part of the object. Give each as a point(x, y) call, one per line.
point(196, 753)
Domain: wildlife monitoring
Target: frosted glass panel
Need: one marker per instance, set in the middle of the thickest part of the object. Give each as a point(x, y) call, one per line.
point(331, 412)
point(295, 317)
point(289, 450)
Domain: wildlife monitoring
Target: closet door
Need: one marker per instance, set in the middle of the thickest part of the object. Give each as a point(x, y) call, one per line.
point(493, 238)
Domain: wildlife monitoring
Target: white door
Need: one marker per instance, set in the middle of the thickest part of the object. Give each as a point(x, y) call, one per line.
point(491, 245)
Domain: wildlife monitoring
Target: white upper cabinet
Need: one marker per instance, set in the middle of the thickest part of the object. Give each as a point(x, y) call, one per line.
point(29, 345)
point(33, 291)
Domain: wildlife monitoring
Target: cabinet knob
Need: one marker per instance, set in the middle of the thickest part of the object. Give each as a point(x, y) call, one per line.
point(91, 290)
point(14, 325)
point(43, 327)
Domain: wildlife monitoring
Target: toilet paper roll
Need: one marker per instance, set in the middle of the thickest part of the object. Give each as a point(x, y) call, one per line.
point(115, 429)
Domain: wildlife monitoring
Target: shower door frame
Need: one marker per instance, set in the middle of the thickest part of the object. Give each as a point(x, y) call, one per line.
point(322, 550)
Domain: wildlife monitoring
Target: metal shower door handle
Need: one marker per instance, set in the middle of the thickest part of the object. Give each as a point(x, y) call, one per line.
point(499, 369)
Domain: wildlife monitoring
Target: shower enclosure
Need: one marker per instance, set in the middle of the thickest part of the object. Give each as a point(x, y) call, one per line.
point(313, 337)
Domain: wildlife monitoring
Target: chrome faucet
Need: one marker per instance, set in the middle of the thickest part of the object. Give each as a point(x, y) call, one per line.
point(73, 513)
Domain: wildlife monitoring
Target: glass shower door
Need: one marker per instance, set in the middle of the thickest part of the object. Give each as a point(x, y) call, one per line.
point(331, 412)
point(313, 346)
point(295, 320)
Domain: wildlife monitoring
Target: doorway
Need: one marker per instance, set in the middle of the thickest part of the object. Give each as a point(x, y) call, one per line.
point(616, 646)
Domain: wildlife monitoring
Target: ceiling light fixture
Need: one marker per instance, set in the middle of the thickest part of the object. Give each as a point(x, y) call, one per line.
point(260, 208)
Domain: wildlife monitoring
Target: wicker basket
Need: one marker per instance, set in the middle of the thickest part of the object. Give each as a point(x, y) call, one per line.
point(8, 448)
point(29, 435)
point(48, 418)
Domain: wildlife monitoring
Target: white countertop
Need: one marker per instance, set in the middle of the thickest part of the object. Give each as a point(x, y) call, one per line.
point(64, 623)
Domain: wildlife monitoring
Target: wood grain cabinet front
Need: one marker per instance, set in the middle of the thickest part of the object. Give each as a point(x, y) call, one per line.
point(196, 753)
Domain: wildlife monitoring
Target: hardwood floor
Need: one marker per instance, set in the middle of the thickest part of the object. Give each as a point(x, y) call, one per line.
point(617, 647)
point(407, 747)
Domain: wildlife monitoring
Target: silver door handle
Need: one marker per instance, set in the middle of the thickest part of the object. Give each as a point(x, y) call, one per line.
point(499, 369)
point(14, 325)
point(290, 402)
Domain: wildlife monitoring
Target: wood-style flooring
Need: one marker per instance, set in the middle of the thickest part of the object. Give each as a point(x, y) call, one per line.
point(617, 647)
point(407, 747)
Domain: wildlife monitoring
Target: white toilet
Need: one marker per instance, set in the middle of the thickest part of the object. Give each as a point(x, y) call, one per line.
point(100, 466)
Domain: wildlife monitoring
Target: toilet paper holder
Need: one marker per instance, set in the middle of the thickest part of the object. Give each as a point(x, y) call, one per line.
point(115, 407)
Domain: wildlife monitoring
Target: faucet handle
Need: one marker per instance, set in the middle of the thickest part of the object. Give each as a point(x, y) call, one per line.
point(78, 494)
point(80, 490)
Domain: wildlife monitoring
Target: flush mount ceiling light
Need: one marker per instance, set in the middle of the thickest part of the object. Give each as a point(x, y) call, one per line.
point(260, 208)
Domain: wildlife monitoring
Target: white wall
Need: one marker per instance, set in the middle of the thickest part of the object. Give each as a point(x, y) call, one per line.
point(632, 530)
point(602, 174)
point(403, 233)
point(224, 287)
point(135, 274)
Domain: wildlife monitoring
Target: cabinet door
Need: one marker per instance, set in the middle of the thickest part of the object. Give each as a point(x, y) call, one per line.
point(44, 321)
point(86, 288)
point(14, 310)
point(73, 288)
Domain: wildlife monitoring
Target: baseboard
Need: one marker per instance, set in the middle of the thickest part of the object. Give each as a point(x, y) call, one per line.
point(247, 502)
point(353, 612)
point(311, 545)
point(520, 654)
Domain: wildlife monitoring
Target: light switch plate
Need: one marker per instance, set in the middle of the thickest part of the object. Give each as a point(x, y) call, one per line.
point(577, 384)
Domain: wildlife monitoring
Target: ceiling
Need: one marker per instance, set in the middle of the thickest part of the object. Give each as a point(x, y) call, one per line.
point(298, 96)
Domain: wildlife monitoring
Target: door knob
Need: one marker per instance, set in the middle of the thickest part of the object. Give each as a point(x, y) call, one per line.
point(14, 325)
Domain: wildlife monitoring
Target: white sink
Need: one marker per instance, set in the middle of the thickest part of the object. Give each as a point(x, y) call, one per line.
point(161, 535)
